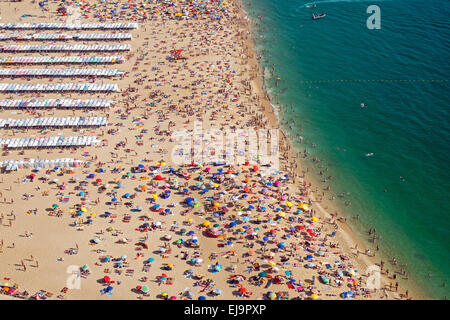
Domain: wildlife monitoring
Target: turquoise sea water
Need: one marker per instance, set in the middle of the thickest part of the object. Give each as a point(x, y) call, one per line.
point(405, 124)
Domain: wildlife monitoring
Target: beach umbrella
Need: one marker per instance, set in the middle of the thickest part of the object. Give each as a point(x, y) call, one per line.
point(55, 205)
point(314, 296)
point(202, 298)
point(145, 289)
point(173, 298)
point(262, 274)
point(150, 259)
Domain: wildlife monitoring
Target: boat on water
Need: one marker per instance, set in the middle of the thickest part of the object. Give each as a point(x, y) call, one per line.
point(319, 16)
point(369, 154)
point(311, 6)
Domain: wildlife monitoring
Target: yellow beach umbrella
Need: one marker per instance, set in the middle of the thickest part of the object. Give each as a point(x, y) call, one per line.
point(315, 219)
point(314, 296)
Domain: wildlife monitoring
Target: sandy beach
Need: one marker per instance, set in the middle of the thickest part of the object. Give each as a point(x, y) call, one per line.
point(131, 221)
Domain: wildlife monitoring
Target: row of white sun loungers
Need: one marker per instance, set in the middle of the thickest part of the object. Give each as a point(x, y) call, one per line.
point(60, 72)
point(61, 141)
point(68, 26)
point(62, 60)
point(53, 122)
point(49, 87)
point(65, 36)
point(54, 103)
point(10, 165)
point(65, 47)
